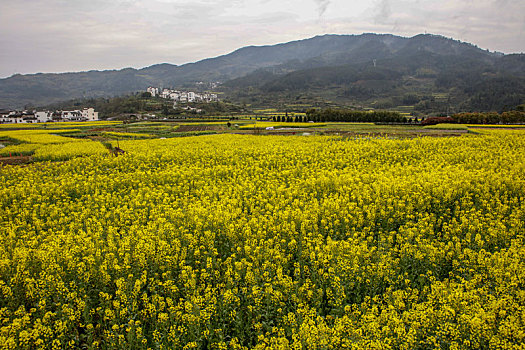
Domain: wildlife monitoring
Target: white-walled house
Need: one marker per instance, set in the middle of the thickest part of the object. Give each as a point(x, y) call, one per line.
point(11, 118)
point(86, 114)
point(4, 116)
point(184, 96)
point(153, 91)
point(165, 93)
point(29, 118)
point(15, 117)
point(75, 115)
point(89, 114)
point(44, 116)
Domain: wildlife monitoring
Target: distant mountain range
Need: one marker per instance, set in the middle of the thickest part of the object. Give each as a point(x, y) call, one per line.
point(424, 73)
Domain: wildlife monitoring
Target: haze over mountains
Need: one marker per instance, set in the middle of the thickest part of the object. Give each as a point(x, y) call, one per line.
point(375, 70)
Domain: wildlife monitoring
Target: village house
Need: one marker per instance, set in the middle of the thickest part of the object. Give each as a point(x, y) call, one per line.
point(71, 115)
point(153, 91)
point(15, 117)
point(44, 116)
point(89, 114)
point(11, 117)
point(165, 93)
point(3, 115)
point(86, 114)
point(183, 96)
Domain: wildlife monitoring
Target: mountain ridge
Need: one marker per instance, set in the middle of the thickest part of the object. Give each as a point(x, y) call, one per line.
point(322, 50)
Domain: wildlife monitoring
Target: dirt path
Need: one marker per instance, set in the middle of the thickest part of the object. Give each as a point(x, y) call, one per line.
point(15, 160)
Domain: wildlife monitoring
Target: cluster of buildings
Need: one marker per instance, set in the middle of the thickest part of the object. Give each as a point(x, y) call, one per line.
point(208, 85)
point(79, 115)
point(182, 96)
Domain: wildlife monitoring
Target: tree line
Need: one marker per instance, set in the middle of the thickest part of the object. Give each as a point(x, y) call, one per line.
point(347, 115)
point(510, 117)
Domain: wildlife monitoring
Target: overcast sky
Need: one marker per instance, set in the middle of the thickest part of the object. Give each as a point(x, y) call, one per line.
point(75, 35)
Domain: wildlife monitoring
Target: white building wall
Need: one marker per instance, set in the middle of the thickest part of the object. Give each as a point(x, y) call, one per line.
point(89, 114)
point(4, 118)
point(75, 115)
point(183, 96)
point(43, 117)
point(153, 91)
point(165, 93)
point(16, 119)
point(47, 116)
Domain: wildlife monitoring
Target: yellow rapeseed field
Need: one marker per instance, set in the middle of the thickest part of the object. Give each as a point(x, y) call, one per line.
point(20, 149)
point(44, 145)
point(280, 125)
point(69, 150)
point(268, 242)
point(126, 134)
point(58, 125)
point(40, 136)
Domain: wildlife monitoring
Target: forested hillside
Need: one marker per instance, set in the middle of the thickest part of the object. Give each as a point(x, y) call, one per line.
point(425, 74)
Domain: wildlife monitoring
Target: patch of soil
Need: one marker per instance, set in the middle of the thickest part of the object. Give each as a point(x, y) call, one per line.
point(403, 135)
point(16, 160)
point(99, 138)
point(187, 128)
point(103, 129)
point(442, 131)
point(494, 127)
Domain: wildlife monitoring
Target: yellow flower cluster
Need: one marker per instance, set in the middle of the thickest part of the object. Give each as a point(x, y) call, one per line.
point(40, 136)
point(280, 125)
point(44, 145)
point(84, 124)
point(69, 150)
point(58, 125)
point(268, 242)
point(18, 126)
point(204, 123)
point(126, 134)
point(446, 126)
point(23, 149)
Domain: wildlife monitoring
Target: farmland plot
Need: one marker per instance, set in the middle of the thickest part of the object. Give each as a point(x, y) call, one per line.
point(241, 242)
